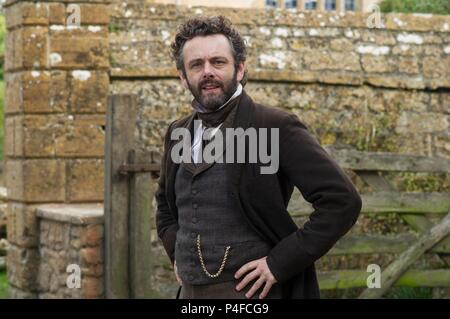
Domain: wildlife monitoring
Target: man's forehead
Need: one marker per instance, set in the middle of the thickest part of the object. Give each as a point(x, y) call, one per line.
point(207, 46)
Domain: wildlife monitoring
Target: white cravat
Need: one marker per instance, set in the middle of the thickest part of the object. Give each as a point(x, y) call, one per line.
point(196, 146)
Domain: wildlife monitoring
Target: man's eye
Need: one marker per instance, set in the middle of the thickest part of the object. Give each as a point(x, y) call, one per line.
point(195, 65)
point(219, 62)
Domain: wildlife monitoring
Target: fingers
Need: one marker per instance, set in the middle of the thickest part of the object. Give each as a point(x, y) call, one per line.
point(244, 282)
point(255, 287)
point(246, 268)
point(261, 272)
point(266, 290)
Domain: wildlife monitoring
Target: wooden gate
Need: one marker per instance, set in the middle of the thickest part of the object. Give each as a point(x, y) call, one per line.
point(414, 208)
point(129, 191)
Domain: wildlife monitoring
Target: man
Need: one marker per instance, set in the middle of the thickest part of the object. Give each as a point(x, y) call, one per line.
point(224, 224)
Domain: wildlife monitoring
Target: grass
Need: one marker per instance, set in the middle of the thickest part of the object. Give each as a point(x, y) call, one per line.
point(392, 293)
point(3, 285)
point(409, 293)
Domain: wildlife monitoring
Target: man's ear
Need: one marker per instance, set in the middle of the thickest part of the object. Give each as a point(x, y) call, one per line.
point(240, 72)
point(183, 80)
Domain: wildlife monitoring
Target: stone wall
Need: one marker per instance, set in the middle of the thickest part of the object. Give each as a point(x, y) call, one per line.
point(385, 89)
point(350, 84)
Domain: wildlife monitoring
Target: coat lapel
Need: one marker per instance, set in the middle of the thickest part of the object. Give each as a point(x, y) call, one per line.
point(242, 120)
point(172, 168)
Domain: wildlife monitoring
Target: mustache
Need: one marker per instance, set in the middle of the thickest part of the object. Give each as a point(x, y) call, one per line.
point(209, 82)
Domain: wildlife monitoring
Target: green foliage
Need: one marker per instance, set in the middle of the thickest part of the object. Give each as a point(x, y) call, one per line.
point(416, 6)
point(350, 293)
point(3, 285)
point(2, 42)
point(2, 89)
point(2, 97)
point(374, 135)
point(421, 182)
point(113, 27)
point(409, 293)
point(393, 293)
point(2, 34)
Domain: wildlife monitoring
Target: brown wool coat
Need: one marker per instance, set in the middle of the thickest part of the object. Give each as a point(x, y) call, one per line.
point(263, 198)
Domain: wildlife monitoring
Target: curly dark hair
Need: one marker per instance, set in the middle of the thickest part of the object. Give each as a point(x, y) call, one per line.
point(203, 26)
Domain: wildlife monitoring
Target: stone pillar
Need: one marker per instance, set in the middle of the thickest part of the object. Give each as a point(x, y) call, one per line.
point(340, 5)
point(56, 83)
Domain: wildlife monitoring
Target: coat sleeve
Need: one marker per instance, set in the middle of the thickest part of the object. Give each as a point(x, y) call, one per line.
point(322, 183)
point(166, 224)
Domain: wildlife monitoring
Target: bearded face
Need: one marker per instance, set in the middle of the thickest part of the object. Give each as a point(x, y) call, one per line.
point(212, 93)
point(210, 72)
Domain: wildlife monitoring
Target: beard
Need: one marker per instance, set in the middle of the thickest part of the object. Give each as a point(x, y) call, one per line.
point(213, 100)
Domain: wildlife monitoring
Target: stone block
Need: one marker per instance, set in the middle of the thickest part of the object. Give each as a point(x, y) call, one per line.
point(85, 180)
point(23, 229)
point(22, 265)
point(35, 180)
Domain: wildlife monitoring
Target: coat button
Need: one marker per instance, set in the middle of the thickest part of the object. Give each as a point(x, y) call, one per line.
point(195, 205)
point(193, 235)
point(194, 220)
point(192, 249)
point(191, 277)
point(194, 191)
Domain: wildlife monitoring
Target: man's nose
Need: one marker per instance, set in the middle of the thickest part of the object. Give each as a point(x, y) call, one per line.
point(208, 70)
